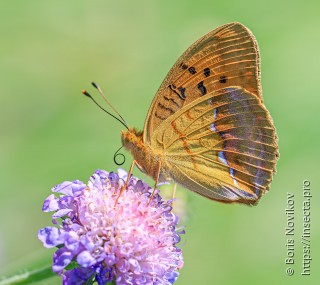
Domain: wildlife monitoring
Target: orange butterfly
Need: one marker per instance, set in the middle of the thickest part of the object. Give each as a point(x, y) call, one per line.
point(207, 128)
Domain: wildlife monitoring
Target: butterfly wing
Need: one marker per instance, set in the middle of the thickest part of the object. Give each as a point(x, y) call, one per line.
point(223, 146)
point(227, 56)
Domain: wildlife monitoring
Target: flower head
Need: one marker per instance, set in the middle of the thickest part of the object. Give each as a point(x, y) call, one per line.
point(132, 243)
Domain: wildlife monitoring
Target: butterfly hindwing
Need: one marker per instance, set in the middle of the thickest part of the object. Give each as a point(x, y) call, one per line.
point(222, 145)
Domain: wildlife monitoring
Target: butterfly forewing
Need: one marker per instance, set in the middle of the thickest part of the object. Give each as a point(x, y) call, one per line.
point(227, 56)
point(222, 145)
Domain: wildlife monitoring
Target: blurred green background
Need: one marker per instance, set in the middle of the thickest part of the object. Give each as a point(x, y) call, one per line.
point(50, 50)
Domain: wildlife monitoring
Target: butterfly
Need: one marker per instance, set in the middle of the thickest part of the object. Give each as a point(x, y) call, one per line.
point(207, 128)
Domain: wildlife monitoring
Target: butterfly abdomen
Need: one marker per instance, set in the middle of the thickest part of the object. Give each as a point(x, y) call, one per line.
point(146, 159)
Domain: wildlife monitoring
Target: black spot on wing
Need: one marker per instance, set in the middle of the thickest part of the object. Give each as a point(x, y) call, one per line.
point(182, 90)
point(192, 70)
point(207, 72)
point(223, 79)
point(181, 96)
point(202, 88)
point(183, 66)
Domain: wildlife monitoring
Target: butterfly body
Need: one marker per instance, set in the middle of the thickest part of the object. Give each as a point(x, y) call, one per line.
point(147, 158)
point(207, 128)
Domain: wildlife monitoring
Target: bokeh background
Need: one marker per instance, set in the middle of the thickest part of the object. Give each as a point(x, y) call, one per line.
point(50, 50)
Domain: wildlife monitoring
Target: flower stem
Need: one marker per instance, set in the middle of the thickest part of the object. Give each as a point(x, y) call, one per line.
point(29, 277)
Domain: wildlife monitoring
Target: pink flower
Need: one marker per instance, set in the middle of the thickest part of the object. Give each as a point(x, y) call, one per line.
point(132, 243)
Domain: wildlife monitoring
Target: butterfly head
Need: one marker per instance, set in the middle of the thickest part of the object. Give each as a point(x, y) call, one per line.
point(131, 138)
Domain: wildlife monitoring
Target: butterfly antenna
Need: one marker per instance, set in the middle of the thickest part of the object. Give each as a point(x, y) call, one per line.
point(85, 92)
point(95, 85)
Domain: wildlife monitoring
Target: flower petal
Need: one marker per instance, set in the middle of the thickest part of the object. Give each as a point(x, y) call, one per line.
point(104, 275)
point(172, 276)
point(50, 204)
point(51, 236)
point(61, 213)
point(77, 276)
point(122, 174)
point(73, 188)
point(110, 259)
point(85, 259)
point(61, 258)
point(72, 242)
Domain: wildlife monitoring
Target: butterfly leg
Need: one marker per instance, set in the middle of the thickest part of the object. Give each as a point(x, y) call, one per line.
point(173, 192)
point(127, 181)
point(157, 179)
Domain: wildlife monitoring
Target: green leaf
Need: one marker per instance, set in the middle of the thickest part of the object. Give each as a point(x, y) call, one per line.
point(29, 277)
